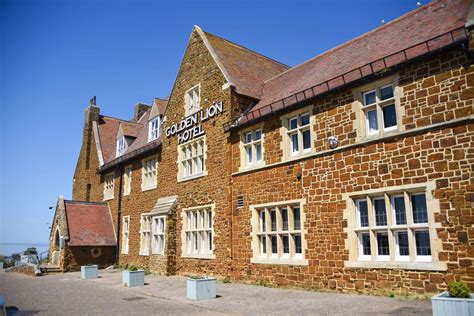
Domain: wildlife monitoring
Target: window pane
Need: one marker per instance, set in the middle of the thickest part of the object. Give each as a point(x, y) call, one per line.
point(262, 221)
point(402, 240)
point(422, 238)
point(365, 243)
point(386, 92)
point(400, 213)
point(371, 118)
point(196, 241)
point(263, 244)
point(382, 244)
point(284, 218)
point(195, 218)
point(209, 219)
point(249, 154)
point(420, 215)
point(369, 98)
point(389, 116)
point(258, 134)
point(293, 123)
point(248, 138)
point(306, 139)
point(258, 148)
point(273, 219)
point(286, 244)
point(294, 143)
point(363, 213)
point(304, 119)
point(274, 241)
point(296, 218)
point(298, 248)
point(380, 212)
point(209, 241)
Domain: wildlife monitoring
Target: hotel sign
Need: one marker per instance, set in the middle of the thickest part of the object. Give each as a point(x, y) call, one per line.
point(190, 127)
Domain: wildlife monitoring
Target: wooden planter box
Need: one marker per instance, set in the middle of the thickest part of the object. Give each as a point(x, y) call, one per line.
point(89, 272)
point(201, 289)
point(133, 278)
point(443, 305)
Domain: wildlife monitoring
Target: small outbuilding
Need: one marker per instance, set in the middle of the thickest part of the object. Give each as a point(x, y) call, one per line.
point(82, 233)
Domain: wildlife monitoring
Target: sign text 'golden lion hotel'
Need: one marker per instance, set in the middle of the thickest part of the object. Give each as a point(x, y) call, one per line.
point(352, 171)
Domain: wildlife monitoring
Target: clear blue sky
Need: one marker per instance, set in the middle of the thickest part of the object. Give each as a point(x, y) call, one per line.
point(55, 55)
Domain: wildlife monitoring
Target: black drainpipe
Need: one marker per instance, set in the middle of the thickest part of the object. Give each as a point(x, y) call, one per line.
point(119, 210)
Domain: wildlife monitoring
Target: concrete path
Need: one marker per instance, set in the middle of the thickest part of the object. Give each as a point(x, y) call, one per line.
point(63, 294)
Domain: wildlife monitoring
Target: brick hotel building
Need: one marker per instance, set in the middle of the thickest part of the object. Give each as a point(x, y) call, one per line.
point(352, 171)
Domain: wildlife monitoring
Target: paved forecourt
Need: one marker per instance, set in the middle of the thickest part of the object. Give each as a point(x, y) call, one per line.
point(68, 294)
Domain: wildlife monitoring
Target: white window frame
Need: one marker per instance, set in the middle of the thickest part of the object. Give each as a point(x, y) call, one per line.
point(287, 133)
point(192, 156)
point(192, 100)
point(109, 180)
point(362, 109)
point(121, 146)
point(394, 259)
point(251, 146)
point(145, 234)
point(279, 231)
point(149, 173)
point(127, 180)
point(125, 234)
point(198, 236)
point(154, 129)
point(158, 238)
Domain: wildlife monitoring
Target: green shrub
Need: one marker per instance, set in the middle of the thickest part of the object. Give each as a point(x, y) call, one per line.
point(133, 268)
point(226, 280)
point(458, 290)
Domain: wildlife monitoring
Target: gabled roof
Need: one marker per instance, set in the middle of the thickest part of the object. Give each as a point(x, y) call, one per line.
point(140, 144)
point(418, 26)
point(130, 129)
point(245, 69)
point(89, 224)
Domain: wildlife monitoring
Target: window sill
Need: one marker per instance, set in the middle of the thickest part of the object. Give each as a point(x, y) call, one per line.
point(148, 189)
point(194, 176)
point(252, 166)
point(206, 257)
point(159, 254)
point(108, 198)
point(284, 261)
point(144, 254)
point(426, 266)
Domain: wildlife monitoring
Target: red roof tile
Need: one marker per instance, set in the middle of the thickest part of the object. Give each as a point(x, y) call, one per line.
point(247, 69)
point(416, 27)
point(89, 224)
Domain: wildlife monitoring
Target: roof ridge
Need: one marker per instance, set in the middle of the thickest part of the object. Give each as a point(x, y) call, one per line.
point(118, 119)
point(85, 202)
point(363, 35)
point(248, 49)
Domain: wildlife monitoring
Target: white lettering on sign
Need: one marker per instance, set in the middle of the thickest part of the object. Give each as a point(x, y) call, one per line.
point(188, 128)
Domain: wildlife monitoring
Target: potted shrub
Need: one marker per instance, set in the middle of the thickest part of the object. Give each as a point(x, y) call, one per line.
point(90, 271)
point(456, 301)
point(132, 276)
point(201, 288)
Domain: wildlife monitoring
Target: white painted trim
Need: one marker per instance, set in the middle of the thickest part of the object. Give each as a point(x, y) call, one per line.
point(95, 129)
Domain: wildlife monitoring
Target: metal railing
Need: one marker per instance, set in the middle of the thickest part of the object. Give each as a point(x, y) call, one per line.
point(373, 68)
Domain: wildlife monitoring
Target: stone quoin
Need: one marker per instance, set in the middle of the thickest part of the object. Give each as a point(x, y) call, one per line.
point(350, 172)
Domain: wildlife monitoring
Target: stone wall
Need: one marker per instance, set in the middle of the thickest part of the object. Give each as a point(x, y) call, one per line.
point(434, 91)
point(75, 257)
point(197, 67)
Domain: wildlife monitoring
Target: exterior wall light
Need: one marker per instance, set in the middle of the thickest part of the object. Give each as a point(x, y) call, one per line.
point(333, 142)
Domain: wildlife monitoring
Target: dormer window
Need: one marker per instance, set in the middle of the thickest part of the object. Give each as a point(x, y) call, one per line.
point(193, 99)
point(154, 129)
point(121, 146)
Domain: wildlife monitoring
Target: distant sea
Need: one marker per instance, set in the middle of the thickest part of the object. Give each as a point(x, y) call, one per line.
point(7, 249)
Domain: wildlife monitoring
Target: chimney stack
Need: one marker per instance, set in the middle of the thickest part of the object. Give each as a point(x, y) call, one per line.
point(140, 109)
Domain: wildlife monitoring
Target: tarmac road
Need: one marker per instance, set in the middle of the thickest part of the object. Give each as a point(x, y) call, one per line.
point(67, 294)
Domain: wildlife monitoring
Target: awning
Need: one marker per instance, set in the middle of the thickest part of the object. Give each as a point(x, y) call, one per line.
point(164, 205)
